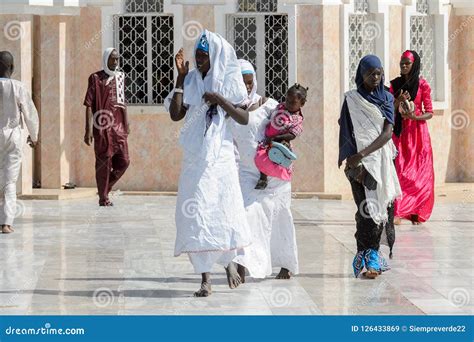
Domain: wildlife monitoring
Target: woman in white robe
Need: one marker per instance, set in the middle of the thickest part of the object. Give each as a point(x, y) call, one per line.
point(268, 210)
point(210, 214)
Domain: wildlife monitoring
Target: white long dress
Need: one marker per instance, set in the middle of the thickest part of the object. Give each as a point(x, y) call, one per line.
point(210, 216)
point(268, 211)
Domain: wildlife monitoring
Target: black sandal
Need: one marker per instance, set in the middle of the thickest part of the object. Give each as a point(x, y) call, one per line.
point(106, 204)
point(261, 184)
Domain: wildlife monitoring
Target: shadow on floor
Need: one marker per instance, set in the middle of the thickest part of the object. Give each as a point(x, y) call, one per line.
point(324, 275)
point(161, 293)
point(215, 281)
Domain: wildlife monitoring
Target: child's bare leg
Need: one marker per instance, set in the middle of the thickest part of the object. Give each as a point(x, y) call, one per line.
point(262, 182)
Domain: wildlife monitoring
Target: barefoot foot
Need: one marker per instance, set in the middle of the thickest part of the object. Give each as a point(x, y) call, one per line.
point(204, 291)
point(233, 277)
point(284, 274)
point(6, 229)
point(397, 221)
point(371, 273)
point(241, 271)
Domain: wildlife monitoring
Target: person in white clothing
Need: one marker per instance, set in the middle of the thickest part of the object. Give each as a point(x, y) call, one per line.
point(16, 108)
point(210, 216)
point(268, 210)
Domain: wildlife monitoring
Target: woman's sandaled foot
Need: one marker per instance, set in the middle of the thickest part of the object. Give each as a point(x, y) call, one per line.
point(415, 220)
point(233, 277)
point(204, 291)
point(397, 221)
point(106, 204)
point(6, 229)
point(261, 184)
point(284, 274)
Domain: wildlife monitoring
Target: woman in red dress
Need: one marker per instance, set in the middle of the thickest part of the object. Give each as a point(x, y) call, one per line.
point(414, 162)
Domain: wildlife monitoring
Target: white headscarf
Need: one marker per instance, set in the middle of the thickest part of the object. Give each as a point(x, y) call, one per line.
point(221, 77)
point(247, 68)
point(119, 76)
point(224, 77)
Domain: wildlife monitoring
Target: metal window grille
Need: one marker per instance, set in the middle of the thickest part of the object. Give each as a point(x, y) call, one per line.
point(276, 51)
point(143, 6)
point(258, 5)
point(145, 43)
point(162, 57)
point(422, 40)
point(361, 6)
point(360, 44)
point(422, 6)
point(245, 38)
point(262, 39)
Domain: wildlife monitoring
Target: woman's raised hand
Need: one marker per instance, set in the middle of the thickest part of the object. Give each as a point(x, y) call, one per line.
point(181, 65)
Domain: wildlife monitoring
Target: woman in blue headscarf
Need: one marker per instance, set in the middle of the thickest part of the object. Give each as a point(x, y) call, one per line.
point(366, 124)
point(211, 225)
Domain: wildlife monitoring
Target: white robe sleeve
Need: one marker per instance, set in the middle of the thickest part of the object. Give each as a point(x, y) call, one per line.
point(29, 113)
point(167, 101)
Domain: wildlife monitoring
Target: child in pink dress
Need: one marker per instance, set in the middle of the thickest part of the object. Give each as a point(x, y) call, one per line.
point(286, 123)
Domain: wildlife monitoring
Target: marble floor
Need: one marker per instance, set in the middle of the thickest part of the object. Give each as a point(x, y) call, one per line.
point(71, 257)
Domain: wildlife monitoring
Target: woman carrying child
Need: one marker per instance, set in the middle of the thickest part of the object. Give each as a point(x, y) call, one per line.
point(268, 210)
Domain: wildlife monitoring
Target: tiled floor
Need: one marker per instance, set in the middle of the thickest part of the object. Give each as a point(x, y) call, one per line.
point(72, 257)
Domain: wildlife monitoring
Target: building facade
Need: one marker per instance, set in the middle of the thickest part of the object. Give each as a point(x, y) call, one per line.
point(57, 44)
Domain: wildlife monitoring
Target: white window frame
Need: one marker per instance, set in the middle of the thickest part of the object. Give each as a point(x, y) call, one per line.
point(231, 7)
point(438, 9)
point(380, 11)
point(117, 8)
